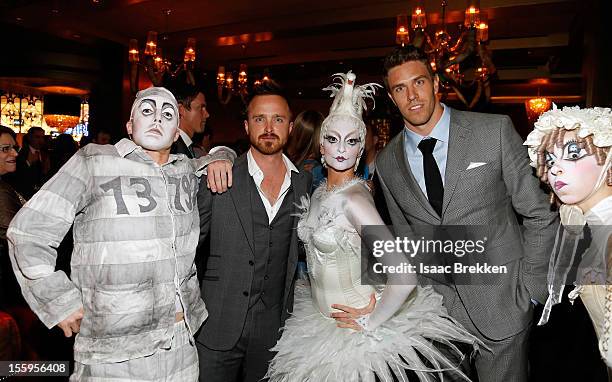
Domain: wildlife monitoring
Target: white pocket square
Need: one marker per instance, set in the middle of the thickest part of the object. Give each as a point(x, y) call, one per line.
point(475, 164)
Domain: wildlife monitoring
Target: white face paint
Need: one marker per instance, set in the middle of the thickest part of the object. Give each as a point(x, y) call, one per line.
point(572, 172)
point(341, 145)
point(154, 123)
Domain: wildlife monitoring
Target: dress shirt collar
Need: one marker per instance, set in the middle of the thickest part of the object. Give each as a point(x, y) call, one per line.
point(254, 167)
point(185, 138)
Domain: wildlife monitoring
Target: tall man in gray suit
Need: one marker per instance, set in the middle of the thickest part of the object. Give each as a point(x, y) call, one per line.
point(463, 168)
point(249, 278)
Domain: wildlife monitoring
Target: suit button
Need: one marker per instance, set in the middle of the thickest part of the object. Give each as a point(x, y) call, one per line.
point(270, 244)
point(245, 293)
point(251, 262)
point(270, 227)
point(269, 261)
point(266, 277)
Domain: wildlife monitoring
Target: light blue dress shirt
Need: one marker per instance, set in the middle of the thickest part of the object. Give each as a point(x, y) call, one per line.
point(414, 155)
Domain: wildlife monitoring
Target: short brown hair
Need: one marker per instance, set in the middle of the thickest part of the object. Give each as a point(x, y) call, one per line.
point(401, 55)
point(269, 87)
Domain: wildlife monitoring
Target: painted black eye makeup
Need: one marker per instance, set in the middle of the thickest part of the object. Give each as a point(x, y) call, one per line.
point(331, 139)
point(550, 160)
point(353, 141)
point(168, 113)
point(572, 151)
point(146, 109)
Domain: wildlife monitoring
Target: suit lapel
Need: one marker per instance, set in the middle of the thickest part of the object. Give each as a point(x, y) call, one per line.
point(458, 147)
point(241, 196)
point(411, 182)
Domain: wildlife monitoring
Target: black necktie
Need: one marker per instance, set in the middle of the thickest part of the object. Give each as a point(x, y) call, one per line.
point(433, 179)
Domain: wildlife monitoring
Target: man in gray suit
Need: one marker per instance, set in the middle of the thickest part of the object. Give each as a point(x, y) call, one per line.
point(463, 168)
point(249, 277)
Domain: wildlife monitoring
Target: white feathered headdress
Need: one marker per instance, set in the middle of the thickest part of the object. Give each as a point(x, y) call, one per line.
point(349, 104)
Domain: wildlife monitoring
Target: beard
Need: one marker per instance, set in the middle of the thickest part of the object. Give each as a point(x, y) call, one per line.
point(268, 146)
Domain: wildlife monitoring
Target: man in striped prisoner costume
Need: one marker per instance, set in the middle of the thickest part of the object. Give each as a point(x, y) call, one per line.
point(133, 295)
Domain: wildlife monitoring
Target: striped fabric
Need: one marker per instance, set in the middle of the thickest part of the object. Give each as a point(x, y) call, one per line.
point(136, 228)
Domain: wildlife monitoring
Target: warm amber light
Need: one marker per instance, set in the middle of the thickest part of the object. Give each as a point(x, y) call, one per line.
point(151, 45)
point(472, 16)
point(536, 106)
point(419, 19)
point(482, 33)
point(190, 53)
point(401, 32)
point(61, 122)
point(133, 51)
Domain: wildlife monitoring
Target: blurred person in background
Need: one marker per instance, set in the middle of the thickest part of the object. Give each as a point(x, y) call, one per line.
point(10, 203)
point(192, 115)
point(202, 142)
point(303, 145)
point(33, 163)
point(63, 148)
point(102, 137)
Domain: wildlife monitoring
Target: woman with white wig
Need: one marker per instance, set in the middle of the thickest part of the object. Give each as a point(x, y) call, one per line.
point(398, 326)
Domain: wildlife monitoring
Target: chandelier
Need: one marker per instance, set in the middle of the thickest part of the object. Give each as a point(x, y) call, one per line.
point(61, 122)
point(155, 65)
point(226, 86)
point(463, 64)
point(62, 112)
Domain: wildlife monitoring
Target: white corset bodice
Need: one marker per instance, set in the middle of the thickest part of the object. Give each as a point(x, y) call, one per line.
point(333, 250)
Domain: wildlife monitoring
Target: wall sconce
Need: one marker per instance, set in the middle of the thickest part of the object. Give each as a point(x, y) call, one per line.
point(536, 106)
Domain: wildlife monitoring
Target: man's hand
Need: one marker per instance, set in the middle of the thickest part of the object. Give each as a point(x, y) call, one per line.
point(346, 318)
point(219, 176)
point(72, 324)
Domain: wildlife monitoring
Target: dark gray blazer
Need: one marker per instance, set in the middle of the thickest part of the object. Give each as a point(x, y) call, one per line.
point(179, 147)
point(491, 195)
point(227, 218)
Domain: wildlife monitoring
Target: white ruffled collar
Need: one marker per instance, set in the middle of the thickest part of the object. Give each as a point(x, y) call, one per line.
point(601, 213)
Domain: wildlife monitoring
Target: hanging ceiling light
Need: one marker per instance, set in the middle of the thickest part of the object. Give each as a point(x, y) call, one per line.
point(226, 87)
point(463, 63)
point(155, 65)
point(62, 112)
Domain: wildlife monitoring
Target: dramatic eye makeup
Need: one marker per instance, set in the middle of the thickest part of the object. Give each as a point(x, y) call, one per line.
point(146, 108)
point(550, 159)
point(331, 139)
point(353, 141)
point(573, 151)
point(349, 141)
point(168, 113)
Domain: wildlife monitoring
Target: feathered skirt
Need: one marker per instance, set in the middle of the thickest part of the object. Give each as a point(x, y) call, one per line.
point(312, 348)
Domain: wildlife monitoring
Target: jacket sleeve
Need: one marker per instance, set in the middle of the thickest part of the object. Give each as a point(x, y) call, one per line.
point(35, 234)
point(531, 203)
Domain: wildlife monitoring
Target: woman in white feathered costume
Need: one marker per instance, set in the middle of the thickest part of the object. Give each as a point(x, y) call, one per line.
point(570, 148)
point(401, 325)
